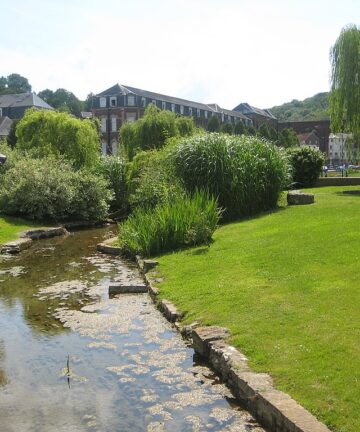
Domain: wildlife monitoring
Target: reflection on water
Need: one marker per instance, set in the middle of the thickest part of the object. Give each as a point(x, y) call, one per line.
point(71, 359)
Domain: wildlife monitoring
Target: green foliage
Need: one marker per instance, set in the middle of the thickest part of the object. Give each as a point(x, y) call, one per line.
point(245, 173)
point(263, 131)
point(151, 131)
point(227, 128)
point(307, 163)
point(113, 170)
point(287, 138)
point(313, 108)
point(250, 130)
point(345, 84)
point(186, 221)
point(49, 189)
point(273, 135)
point(185, 125)
point(151, 180)
point(63, 100)
point(239, 128)
point(11, 138)
point(213, 124)
point(45, 133)
point(14, 83)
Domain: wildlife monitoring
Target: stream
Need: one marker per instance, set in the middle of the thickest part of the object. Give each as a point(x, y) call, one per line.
point(73, 359)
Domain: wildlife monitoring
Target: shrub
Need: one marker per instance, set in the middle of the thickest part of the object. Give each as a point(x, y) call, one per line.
point(306, 163)
point(245, 173)
point(227, 128)
point(239, 128)
point(213, 124)
point(185, 126)
point(49, 133)
point(186, 221)
point(113, 170)
point(49, 189)
point(151, 181)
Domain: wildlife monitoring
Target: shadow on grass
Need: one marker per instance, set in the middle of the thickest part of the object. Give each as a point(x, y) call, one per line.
point(349, 192)
point(17, 221)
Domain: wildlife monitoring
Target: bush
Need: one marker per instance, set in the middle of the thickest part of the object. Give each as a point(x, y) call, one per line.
point(306, 163)
point(113, 170)
point(185, 126)
point(227, 128)
point(186, 221)
point(49, 133)
point(213, 124)
point(151, 181)
point(49, 189)
point(245, 173)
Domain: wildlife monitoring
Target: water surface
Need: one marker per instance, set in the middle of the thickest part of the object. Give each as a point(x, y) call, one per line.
point(72, 359)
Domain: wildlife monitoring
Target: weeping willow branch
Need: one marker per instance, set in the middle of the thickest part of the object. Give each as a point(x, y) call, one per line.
point(345, 82)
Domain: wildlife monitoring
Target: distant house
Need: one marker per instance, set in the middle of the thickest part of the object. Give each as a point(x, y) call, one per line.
point(5, 125)
point(310, 139)
point(15, 105)
point(120, 104)
point(341, 149)
point(257, 115)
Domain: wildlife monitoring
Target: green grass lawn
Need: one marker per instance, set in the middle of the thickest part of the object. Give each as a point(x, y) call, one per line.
point(287, 285)
point(11, 227)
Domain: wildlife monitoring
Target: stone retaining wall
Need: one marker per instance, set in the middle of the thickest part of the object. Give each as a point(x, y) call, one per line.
point(337, 181)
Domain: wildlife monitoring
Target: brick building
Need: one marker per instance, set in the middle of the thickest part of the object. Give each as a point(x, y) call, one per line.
point(120, 104)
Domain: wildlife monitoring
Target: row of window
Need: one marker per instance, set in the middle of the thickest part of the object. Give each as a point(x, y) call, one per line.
point(181, 109)
point(130, 117)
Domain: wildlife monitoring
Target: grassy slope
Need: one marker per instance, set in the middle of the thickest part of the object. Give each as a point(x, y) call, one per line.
point(287, 285)
point(11, 227)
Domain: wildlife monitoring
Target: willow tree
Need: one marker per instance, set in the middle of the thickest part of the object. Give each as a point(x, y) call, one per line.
point(345, 82)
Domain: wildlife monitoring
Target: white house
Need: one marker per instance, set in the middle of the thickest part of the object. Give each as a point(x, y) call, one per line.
point(341, 149)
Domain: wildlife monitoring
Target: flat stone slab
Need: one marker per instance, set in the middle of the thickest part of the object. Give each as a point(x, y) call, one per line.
point(42, 233)
point(108, 247)
point(116, 288)
point(170, 311)
point(16, 246)
point(297, 197)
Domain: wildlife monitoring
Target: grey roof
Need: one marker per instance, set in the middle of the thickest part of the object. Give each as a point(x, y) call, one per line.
point(5, 125)
point(248, 109)
point(119, 89)
point(23, 100)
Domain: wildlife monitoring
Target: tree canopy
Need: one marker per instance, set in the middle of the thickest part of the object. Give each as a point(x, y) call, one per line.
point(62, 100)
point(345, 82)
point(45, 133)
point(14, 83)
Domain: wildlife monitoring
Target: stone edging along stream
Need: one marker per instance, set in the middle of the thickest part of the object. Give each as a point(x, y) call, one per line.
point(273, 408)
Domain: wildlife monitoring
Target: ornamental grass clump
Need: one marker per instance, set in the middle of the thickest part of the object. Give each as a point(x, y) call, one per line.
point(186, 221)
point(245, 173)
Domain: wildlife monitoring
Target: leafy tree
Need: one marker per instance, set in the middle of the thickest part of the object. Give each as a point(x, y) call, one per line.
point(11, 138)
point(306, 163)
point(88, 102)
point(46, 133)
point(63, 100)
point(213, 124)
point(185, 125)
point(288, 138)
point(251, 130)
point(227, 128)
point(273, 135)
point(263, 131)
point(14, 83)
point(239, 128)
point(345, 82)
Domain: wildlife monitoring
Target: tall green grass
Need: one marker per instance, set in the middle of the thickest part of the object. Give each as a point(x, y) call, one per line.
point(245, 173)
point(187, 221)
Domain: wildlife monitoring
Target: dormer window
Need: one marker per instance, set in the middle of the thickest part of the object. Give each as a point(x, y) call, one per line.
point(113, 101)
point(143, 102)
point(131, 100)
point(163, 105)
point(181, 109)
point(173, 107)
point(198, 112)
point(190, 111)
point(154, 102)
point(103, 102)
point(206, 114)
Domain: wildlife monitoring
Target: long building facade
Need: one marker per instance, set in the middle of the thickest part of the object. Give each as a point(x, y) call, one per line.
point(120, 104)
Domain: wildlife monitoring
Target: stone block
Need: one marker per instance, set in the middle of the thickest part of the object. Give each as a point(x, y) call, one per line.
point(16, 246)
point(297, 197)
point(43, 233)
point(170, 311)
point(126, 289)
point(108, 247)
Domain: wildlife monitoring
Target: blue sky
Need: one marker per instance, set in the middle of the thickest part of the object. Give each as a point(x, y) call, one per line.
point(224, 51)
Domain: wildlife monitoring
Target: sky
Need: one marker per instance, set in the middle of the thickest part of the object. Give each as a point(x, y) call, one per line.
point(214, 51)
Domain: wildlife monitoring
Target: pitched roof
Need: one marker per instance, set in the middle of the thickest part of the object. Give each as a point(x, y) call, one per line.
point(119, 89)
point(305, 136)
point(5, 125)
point(245, 108)
point(23, 100)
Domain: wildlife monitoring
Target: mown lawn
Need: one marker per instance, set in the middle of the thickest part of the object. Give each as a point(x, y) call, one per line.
point(10, 228)
point(287, 285)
